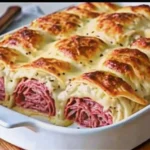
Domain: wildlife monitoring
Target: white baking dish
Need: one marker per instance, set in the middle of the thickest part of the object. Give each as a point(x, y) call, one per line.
point(32, 134)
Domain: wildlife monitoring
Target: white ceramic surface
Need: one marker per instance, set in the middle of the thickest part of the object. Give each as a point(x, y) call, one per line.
point(32, 134)
point(125, 135)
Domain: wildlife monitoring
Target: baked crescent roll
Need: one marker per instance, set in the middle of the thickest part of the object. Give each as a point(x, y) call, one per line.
point(98, 99)
point(100, 6)
point(82, 13)
point(117, 28)
point(143, 44)
point(89, 10)
point(34, 86)
point(139, 9)
point(8, 58)
point(57, 25)
point(81, 51)
point(28, 42)
point(131, 65)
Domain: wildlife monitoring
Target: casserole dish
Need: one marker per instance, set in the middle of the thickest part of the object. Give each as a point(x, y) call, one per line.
point(33, 134)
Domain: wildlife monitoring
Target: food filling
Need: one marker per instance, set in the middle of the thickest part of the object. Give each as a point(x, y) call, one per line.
point(32, 94)
point(87, 112)
point(2, 89)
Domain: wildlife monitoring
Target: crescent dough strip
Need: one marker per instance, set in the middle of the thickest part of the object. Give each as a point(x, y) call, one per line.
point(99, 94)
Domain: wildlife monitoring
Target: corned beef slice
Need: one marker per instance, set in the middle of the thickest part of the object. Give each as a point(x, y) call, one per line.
point(2, 89)
point(32, 94)
point(87, 113)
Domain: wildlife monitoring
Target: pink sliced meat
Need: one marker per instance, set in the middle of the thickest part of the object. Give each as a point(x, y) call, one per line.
point(2, 89)
point(32, 94)
point(87, 112)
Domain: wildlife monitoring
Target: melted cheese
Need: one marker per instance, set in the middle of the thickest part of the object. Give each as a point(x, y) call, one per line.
point(124, 107)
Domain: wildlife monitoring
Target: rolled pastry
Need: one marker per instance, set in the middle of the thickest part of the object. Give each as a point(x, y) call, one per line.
point(139, 9)
point(142, 44)
point(100, 7)
point(98, 99)
point(8, 59)
point(131, 65)
point(57, 25)
point(81, 51)
point(35, 85)
point(82, 12)
point(117, 28)
point(26, 41)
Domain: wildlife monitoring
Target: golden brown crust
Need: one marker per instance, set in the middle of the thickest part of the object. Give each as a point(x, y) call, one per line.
point(26, 39)
point(119, 66)
point(82, 13)
point(130, 62)
point(115, 22)
point(51, 65)
point(81, 48)
point(118, 27)
point(99, 6)
point(139, 9)
point(142, 43)
point(8, 56)
point(112, 85)
point(60, 23)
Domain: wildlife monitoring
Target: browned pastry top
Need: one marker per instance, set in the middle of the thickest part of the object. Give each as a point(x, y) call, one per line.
point(139, 9)
point(112, 85)
point(27, 39)
point(80, 48)
point(82, 13)
point(51, 65)
point(131, 62)
point(99, 7)
point(142, 43)
point(60, 23)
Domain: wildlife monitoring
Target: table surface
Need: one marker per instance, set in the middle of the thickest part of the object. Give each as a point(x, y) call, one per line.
point(7, 146)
